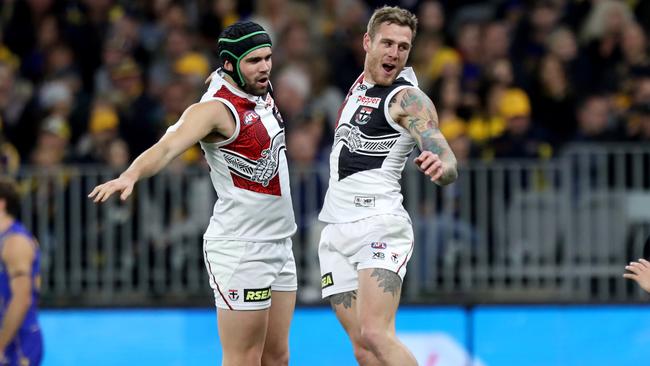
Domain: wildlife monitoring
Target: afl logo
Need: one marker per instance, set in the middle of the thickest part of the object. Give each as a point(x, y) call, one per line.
point(251, 117)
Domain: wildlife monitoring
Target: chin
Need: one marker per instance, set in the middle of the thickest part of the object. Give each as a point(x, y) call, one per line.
point(258, 92)
point(386, 81)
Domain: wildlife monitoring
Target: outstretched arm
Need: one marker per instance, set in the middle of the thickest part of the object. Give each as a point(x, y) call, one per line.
point(413, 109)
point(198, 121)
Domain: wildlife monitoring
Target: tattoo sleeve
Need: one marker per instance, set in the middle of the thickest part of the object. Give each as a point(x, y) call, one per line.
point(389, 281)
point(418, 114)
point(346, 299)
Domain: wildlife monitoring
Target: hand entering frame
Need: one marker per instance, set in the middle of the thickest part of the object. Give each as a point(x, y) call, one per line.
point(640, 272)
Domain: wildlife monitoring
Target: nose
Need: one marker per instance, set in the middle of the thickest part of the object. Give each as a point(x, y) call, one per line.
point(392, 51)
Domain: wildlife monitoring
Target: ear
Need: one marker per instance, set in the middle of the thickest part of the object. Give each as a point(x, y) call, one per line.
point(366, 42)
point(227, 65)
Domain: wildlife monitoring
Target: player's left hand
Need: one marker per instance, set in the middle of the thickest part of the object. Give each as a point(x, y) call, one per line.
point(430, 164)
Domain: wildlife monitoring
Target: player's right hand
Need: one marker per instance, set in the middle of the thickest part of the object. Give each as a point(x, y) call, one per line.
point(103, 191)
point(640, 272)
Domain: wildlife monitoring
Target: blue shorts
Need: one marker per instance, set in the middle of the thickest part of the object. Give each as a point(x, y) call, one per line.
point(25, 350)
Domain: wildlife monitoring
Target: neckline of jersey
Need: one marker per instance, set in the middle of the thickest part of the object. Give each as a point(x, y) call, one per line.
point(240, 93)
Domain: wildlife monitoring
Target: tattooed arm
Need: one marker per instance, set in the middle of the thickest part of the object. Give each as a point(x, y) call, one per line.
point(413, 110)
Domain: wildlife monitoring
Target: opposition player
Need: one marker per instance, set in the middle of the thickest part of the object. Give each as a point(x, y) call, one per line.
point(21, 341)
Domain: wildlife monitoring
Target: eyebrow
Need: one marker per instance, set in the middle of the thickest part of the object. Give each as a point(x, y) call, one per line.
point(258, 58)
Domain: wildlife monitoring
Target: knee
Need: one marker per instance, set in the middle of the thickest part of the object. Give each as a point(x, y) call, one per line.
point(276, 356)
point(374, 338)
point(246, 357)
point(363, 355)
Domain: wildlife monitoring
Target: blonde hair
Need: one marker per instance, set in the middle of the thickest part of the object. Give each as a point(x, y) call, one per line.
point(392, 15)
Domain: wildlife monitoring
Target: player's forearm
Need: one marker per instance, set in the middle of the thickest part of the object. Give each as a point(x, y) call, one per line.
point(449, 172)
point(13, 318)
point(441, 148)
point(149, 162)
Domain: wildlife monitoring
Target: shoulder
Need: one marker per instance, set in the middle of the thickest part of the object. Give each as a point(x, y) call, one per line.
point(211, 110)
point(411, 98)
point(17, 246)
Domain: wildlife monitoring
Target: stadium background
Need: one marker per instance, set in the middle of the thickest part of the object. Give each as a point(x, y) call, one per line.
point(545, 103)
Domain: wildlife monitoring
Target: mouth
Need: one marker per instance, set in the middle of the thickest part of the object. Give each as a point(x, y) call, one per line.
point(263, 81)
point(388, 68)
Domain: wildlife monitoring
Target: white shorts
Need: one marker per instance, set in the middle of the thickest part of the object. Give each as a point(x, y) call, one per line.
point(382, 241)
point(243, 273)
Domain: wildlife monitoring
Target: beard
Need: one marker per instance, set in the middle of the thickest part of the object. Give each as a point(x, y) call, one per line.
point(252, 90)
point(251, 87)
point(378, 74)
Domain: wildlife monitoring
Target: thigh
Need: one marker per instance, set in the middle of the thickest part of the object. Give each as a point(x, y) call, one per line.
point(280, 314)
point(240, 331)
point(345, 307)
point(378, 296)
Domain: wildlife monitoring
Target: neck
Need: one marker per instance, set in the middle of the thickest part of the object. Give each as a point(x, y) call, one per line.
point(5, 222)
point(367, 77)
point(232, 82)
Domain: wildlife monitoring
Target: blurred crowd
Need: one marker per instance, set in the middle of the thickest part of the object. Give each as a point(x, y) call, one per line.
point(98, 81)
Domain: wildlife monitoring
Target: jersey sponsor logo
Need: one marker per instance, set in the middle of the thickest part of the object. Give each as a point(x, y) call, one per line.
point(378, 245)
point(363, 116)
point(368, 101)
point(258, 294)
point(326, 280)
point(364, 201)
point(378, 255)
point(362, 87)
point(233, 294)
point(251, 117)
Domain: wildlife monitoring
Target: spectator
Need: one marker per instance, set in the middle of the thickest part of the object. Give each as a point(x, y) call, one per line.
point(521, 138)
point(594, 120)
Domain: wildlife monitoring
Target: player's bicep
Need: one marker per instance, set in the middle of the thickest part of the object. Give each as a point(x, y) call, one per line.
point(197, 122)
point(18, 256)
point(418, 115)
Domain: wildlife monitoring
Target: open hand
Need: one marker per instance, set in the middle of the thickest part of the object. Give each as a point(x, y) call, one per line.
point(640, 273)
point(103, 191)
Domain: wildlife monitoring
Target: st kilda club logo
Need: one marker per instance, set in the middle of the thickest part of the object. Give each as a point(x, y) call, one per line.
point(363, 116)
point(233, 295)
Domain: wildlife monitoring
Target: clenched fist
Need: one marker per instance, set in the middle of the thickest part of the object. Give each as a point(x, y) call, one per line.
point(430, 164)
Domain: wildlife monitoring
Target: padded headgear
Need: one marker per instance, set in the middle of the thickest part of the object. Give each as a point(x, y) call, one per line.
point(237, 41)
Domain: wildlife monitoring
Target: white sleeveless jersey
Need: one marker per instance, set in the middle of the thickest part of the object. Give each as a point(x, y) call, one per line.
point(369, 154)
point(249, 170)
